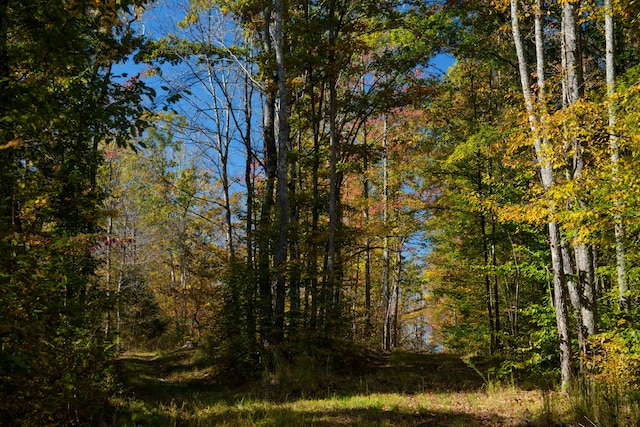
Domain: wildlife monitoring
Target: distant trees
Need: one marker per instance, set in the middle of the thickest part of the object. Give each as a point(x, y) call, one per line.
point(303, 248)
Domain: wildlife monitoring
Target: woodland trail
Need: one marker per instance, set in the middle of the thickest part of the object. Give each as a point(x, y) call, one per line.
point(179, 389)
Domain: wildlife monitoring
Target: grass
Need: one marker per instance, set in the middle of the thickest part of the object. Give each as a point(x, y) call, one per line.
point(180, 389)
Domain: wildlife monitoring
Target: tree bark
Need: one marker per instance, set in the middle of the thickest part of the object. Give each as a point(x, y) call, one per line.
point(314, 290)
point(296, 181)
point(333, 163)
point(367, 249)
point(387, 292)
point(545, 164)
point(263, 238)
point(282, 192)
point(250, 286)
point(571, 60)
point(619, 228)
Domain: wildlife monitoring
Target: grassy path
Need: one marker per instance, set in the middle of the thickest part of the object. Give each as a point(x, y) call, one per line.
point(403, 390)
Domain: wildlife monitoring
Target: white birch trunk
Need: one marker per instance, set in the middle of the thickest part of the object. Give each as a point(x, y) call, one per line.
point(386, 261)
point(544, 157)
point(619, 230)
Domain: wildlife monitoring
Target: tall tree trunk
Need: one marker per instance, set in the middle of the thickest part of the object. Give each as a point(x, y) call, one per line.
point(494, 267)
point(248, 171)
point(574, 289)
point(559, 303)
point(267, 203)
point(108, 278)
point(314, 255)
point(264, 261)
point(282, 192)
point(545, 163)
point(619, 229)
point(572, 69)
point(396, 296)
point(228, 217)
point(118, 293)
point(496, 295)
point(386, 260)
point(173, 289)
point(250, 288)
point(183, 284)
point(367, 249)
point(296, 182)
point(333, 162)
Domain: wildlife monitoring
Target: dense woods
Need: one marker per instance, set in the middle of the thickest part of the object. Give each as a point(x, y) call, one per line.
point(299, 182)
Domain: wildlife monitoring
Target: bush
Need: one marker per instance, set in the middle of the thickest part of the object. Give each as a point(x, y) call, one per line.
point(609, 393)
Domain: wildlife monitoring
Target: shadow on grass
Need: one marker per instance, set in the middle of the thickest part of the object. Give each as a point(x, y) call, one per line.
point(182, 389)
point(183, 373)
point(416, 373)
point(165, 378)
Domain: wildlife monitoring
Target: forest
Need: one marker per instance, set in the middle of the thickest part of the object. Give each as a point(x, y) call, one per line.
point(288, 192)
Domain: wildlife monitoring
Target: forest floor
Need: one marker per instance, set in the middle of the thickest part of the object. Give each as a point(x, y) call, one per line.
point(401, 389)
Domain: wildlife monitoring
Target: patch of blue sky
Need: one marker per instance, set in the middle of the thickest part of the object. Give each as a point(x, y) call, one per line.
point(209, 128)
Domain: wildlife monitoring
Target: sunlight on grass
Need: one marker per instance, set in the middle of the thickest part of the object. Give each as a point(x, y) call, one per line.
point(173, 390)
point(508, 407)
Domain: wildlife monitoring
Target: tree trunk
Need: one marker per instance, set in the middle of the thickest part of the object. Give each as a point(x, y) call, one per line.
point(282, 192)
point(559, 303)
point(123, 265)
point(250, 285)
point(387, 292)
point(571, 60)
point(296, 182)
point(333, 162)
point(367, 249)
point(619, 229)
point(264, 273)
point(314, 290)
point(396, 296)
point(224, 160)
point(248, 172)
point(545, 163)
point(496, 298)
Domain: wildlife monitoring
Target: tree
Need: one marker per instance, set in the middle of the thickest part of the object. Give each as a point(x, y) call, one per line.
point(60, 103)
point(542, 148)
point(615, 154)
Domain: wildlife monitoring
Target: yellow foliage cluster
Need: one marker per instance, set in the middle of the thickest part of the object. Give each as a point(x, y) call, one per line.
point(614, 368)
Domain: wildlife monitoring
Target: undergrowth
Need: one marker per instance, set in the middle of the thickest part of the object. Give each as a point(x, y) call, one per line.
point(183, 388)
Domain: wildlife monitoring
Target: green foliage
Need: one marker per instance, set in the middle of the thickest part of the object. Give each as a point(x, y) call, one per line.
point(538, 354)
point(232, 343)
point(54, 353)
point(59, 103)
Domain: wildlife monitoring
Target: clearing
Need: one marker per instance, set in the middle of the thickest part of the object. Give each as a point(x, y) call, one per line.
point(401, 389)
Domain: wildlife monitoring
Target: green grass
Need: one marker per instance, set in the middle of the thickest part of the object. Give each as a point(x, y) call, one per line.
point(181, 389)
